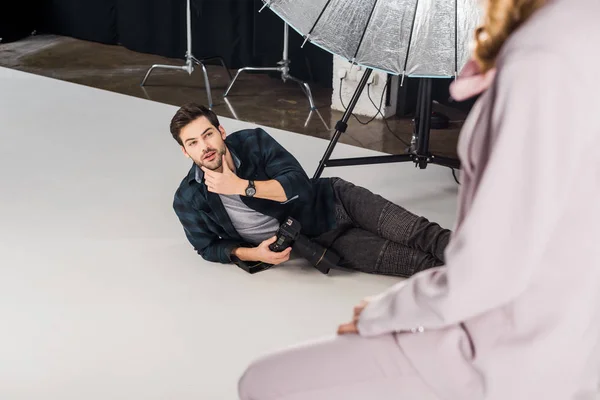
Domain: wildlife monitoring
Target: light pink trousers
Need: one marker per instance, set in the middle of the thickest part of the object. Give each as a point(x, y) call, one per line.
point(347, 367)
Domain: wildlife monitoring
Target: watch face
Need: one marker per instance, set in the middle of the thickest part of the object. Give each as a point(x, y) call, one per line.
point(250, 192)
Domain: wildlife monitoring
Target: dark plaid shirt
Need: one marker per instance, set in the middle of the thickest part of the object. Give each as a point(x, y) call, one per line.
point(205, 220)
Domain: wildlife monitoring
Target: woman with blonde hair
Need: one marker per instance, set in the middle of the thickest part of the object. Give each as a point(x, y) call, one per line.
point(515, 312)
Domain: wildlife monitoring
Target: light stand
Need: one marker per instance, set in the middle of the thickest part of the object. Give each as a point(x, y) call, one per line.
point(419, 150)
point(283, 67)
point(190, 60)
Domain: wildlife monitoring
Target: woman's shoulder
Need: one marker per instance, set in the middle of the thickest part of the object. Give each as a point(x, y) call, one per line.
point(563, 29)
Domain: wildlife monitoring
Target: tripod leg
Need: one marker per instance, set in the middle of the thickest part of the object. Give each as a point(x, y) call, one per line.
point(155, 66)
point(308, 118)
point(247, 69)
point(147, 75)
point(342, 124)
point(310, 114)
point(231, 109)
point(145, 92)
point(222, 61)
point(233, 81)
point(207, 85)
point(226, 67)
point(445, 162)
point(306, 89)
point(311, 101)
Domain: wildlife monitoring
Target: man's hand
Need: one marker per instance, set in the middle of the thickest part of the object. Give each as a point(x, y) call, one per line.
point(226, 182)
point(351, 327)
point(265, 254)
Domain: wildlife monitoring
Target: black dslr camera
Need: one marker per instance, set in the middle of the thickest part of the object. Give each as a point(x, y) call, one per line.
point(288, 235)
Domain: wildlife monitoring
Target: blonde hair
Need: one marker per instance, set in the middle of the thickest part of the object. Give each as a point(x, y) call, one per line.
point(502, 18)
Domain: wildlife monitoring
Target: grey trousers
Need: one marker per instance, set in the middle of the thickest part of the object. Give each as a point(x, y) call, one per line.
point(374, 235)
point(347, 367)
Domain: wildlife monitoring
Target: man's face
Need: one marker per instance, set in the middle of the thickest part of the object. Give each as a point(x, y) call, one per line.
point(204, 143)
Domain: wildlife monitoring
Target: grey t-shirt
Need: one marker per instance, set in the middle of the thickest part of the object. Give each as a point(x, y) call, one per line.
point(252, 226)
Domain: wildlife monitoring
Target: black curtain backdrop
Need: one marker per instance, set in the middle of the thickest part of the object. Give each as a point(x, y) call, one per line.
point(18, 19)
point(93, 20)
point(152, 26)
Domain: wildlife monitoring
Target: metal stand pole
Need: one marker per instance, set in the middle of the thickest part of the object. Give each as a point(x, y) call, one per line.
point(310, 114)
point(419, 151)
point(283, 67)
point(342, 124)
point(190, 60)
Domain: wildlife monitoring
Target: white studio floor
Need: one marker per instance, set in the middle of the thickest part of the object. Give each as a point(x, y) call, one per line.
point(101, 295)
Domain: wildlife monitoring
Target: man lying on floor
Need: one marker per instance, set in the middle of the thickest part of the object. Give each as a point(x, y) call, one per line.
point(243, 185)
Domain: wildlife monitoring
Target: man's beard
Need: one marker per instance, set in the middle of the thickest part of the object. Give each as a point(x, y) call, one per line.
point(216, 163)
